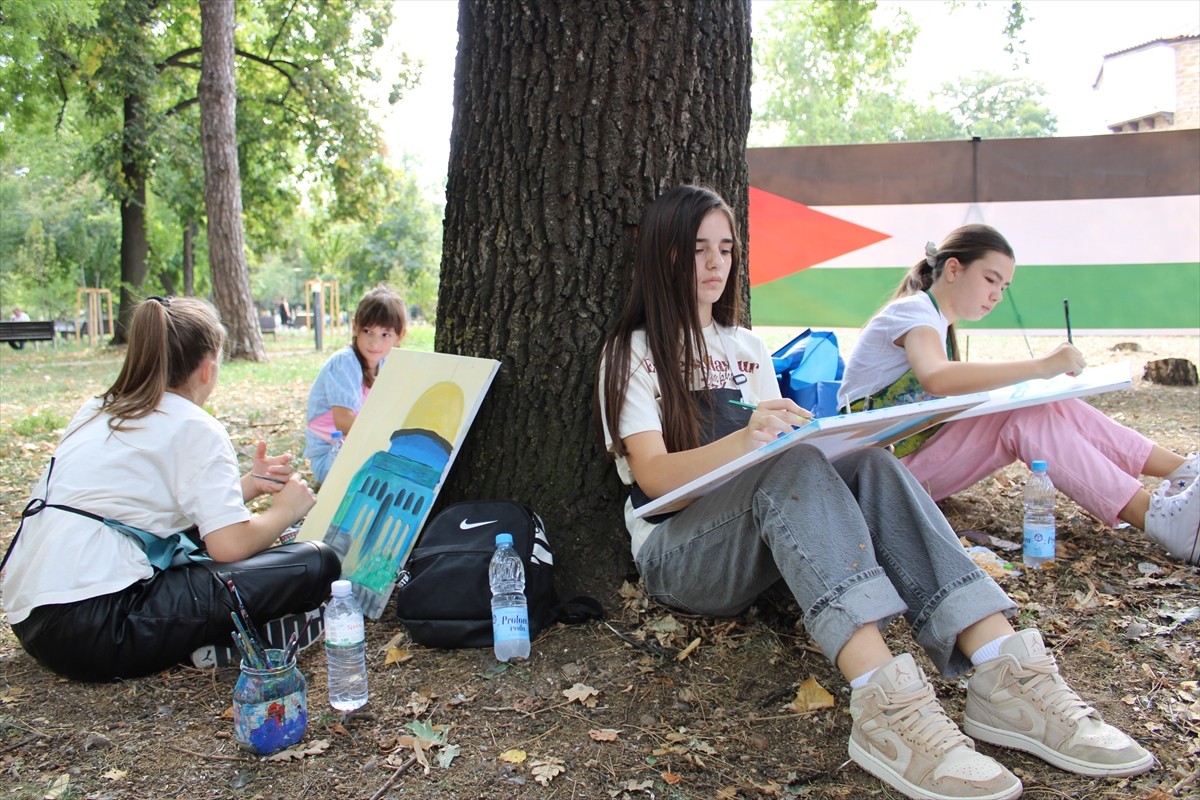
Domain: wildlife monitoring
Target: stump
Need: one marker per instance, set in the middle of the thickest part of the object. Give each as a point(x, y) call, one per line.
point(1171, 372)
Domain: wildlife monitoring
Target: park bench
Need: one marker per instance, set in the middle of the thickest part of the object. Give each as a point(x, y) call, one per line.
point(31, 331)
point(266, 323)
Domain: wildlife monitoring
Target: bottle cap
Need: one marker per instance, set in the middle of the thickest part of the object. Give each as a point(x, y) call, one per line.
point(336, 435)
point(341, 588)
point(1038, 466)
point(503, 538)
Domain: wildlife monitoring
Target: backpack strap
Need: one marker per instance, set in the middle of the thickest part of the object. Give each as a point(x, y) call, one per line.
point(578, 610)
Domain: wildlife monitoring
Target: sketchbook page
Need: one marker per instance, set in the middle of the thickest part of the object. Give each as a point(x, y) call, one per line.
point(1093, 380)
point(833, 436)
point(379, 491)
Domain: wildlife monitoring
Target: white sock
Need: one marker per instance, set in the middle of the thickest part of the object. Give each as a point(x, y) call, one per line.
point(862, 680)
point(988, 651)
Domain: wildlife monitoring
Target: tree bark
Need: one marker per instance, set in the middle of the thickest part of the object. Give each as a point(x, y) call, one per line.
point(189, 257)
point(134, 245)
point(222, 183)
point(570, 118)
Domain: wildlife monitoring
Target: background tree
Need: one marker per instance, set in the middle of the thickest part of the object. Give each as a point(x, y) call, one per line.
point(223, 182)
point(829, 72)
point(135, 68)
point(559, 142)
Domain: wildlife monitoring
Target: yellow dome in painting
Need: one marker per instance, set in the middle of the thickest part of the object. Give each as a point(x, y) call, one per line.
point(439, 409)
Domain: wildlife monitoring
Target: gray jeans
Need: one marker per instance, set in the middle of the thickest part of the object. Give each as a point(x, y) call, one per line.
point(857, 541)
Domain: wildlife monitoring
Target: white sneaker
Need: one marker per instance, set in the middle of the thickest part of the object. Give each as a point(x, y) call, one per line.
point(1184, 475)
point(901, 735)
point(1019, 700)
point(1174, 521)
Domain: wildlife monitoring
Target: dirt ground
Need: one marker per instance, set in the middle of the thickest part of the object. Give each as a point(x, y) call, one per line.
point(647, 704)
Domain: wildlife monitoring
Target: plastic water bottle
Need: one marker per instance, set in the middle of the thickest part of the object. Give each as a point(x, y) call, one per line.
point(335, 444)
point(510, 613)
point(345, 649)
point(1039, 517)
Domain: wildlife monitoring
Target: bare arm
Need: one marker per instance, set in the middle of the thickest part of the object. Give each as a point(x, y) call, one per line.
point(244, 539)
point(658, 471)
point(343, 418)
point(942, 377)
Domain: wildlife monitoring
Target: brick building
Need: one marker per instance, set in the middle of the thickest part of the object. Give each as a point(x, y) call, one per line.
point(1152, 86)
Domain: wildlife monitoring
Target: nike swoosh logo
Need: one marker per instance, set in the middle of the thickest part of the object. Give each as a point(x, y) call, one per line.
point(886, 748)
point(1018, 721)
point(466, 526)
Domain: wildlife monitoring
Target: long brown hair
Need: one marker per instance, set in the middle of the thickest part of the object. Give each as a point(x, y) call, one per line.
point(662, 302)
point(379, 308)
point(968, 244)
point(168, 340)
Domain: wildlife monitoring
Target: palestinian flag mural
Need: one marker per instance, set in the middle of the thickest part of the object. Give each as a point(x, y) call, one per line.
point(1111, 222)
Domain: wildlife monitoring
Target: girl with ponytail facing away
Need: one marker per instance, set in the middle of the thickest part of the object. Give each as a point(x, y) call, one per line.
point(121, 563)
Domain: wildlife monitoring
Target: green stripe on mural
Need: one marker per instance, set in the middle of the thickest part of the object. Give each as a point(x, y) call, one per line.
point(1127, 296)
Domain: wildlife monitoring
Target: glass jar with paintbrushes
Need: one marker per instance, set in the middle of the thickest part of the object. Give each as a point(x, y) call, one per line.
point(270, 698)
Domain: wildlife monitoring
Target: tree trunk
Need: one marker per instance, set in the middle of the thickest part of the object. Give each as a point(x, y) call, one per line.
point(570, 118)
point(222, 183)
point(134, 246)
point(190, 228)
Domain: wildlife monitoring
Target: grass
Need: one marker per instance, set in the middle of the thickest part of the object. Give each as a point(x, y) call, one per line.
point(41, 389)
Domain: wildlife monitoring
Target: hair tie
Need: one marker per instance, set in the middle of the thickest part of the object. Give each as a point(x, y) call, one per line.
point(162, 301)
point(931, 253)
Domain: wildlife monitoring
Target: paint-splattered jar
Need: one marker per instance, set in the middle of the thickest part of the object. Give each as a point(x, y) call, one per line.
point(270, 706)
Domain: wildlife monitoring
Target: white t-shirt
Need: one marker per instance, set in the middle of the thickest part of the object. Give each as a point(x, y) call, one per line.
point(642, 410)
point(174, 469)
point(876, 361)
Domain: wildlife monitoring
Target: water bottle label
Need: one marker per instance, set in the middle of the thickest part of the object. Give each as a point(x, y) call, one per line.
point(344, 631)
point(1039, 541)
point(510, 623)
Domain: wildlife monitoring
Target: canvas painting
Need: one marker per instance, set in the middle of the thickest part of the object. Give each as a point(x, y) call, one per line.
point(380, 489)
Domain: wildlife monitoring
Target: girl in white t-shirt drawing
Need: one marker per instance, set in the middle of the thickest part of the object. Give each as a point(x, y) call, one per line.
point(857, 541)
point(908, 352)
point(341, 387)
point(104, 579)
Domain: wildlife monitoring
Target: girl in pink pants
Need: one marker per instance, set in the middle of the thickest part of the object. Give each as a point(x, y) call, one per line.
point(907, 353)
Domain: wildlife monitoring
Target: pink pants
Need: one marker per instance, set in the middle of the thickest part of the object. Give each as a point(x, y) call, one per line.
point(1092, 459)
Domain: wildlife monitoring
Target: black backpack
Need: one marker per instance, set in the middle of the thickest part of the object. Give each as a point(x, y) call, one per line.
point(442, 594)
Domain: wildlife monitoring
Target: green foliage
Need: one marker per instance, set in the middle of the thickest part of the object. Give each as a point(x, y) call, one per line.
point(992, 106)
point(39, 422)
point(829, 70)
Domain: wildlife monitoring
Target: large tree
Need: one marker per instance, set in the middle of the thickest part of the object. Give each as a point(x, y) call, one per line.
point(570, 118)
point(223, 182)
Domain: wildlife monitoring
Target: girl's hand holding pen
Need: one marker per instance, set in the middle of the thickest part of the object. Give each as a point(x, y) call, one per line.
point(296, 497)
point(774, 417)
point(1064, 359)
point(270, 473)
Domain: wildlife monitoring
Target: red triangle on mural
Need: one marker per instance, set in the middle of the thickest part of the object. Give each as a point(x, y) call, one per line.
point(786, 237)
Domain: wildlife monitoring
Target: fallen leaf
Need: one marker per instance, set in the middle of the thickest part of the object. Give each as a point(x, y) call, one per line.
point(299, 751)
point(396, 655)
point(581, 693)
point(671, 778)
point(114, 774)
point(12, 695)
point(810, 697)
point(446, 755)
point(546, 770)
point(59, 788)
point(604, 734)
point(513, 756)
